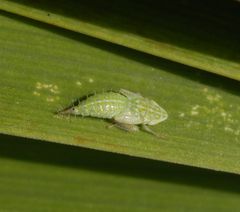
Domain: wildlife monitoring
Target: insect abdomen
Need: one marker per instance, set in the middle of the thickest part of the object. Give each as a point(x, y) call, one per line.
point(105, 105)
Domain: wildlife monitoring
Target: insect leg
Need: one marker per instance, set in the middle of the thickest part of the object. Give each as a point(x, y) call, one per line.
point(147, 129)
point(130, 94)
point(126, 127)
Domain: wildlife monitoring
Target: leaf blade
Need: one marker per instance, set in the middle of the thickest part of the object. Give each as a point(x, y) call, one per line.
point(202, 129)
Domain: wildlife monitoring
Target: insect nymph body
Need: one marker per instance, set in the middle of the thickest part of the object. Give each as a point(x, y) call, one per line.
point(128, 110)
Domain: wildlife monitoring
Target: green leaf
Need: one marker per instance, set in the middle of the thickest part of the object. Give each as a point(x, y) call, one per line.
point(44, 68)
point(49, 177)
point(203, 35)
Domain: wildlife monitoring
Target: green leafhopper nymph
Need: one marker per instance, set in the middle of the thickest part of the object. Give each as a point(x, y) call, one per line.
point(126, 109)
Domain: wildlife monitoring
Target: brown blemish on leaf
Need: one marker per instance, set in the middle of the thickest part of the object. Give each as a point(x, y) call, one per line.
point(80, 140)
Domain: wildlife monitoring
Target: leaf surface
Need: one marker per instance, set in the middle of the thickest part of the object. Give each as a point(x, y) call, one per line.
point(45, 68)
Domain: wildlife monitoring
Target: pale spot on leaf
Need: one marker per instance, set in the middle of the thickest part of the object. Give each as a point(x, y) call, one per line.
point(194, 113)
point(90, 80)
point(78, 83)
point(50, 99)
point(181, 115)
point(36, 93)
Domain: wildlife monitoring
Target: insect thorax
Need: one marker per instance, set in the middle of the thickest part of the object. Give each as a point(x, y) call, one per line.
point(149, 111)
